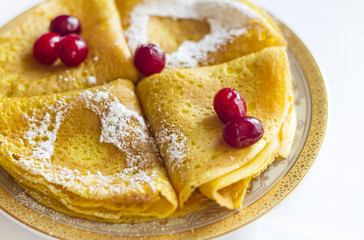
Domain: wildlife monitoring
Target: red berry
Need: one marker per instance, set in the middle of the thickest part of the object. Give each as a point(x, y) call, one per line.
point(72, 50)
point(65, 24)
point(45, 48)
point(242, 132)
point(228, 104)
point(149, 59)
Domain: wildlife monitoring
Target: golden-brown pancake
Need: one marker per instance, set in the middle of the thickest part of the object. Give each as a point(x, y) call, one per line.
point(179, 108)
point(89, 153)
point(109, 57)
point(177, 26)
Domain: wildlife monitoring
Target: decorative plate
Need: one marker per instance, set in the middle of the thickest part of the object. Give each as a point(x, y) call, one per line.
point(266, 191)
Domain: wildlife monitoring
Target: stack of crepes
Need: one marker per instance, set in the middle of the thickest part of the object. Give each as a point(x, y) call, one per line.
point(90, 153)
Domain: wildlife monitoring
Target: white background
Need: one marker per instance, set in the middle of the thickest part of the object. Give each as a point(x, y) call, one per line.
point(329, 203)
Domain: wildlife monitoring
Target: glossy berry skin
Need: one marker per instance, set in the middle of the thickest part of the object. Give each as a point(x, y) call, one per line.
point(242, 132)
point(65, 24)
point(228, 104)
point(72, 50)
point(45, 48)
point(149, 59)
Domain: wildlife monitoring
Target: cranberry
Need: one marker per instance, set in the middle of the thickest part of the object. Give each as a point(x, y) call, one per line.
point(228, 104)
point(44, 49)
point(72, 50)
point(65, 24)
point(149, 59)
point(244, 131)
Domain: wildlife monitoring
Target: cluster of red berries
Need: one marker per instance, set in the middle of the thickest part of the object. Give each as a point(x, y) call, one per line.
point(240, 131)
point(62, 42)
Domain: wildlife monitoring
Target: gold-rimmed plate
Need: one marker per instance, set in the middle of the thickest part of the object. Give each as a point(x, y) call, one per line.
point(266, 191)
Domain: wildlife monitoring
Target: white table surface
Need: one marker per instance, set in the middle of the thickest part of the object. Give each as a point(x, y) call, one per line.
point(329, 202)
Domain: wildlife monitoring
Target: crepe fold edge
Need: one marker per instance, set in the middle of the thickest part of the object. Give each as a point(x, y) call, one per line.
point(229, 190)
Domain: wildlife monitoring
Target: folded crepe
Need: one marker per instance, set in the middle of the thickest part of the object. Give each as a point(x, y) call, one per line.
point(87, 154)
point(198, 32)
point(179, 107)
point(109, 57)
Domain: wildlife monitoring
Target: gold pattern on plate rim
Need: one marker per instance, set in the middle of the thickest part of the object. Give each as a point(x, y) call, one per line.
point(305, 159)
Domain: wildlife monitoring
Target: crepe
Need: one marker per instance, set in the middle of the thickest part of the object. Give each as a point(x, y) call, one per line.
point(179, 107)
point(86, 153)
point(171, 25)
point(109, 57)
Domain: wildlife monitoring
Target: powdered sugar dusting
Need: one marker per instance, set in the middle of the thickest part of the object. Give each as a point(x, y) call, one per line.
point(43, 150)
point(226, 18)
point(124, 128)
point(113, 128)
point(176, 145)
point(91, 80)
